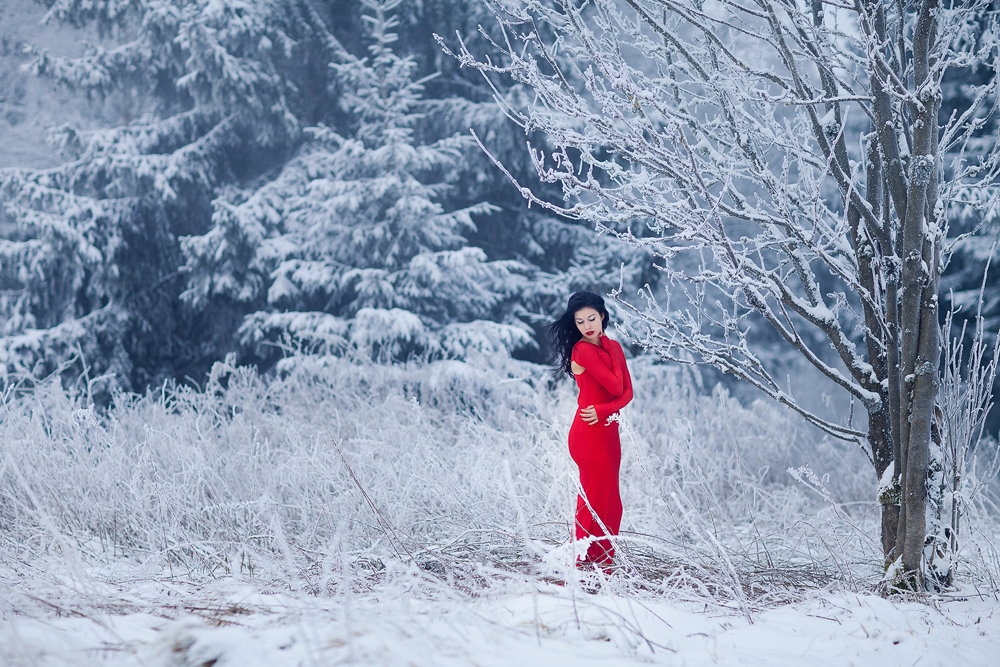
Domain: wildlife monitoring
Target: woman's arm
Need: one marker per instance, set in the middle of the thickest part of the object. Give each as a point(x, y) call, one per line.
point(593, 361)
point(605, 410)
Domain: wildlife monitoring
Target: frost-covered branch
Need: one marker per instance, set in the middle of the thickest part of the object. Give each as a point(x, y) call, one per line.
point(789, 162)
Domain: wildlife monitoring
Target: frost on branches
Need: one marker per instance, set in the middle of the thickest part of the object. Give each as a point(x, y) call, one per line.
point(350, 245)
point(791, 159)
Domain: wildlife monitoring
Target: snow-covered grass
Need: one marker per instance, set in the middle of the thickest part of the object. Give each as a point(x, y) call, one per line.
point(348, 510)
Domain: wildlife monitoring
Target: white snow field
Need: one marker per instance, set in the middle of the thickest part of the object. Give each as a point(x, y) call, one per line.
point(233, 623)
point(347, 512)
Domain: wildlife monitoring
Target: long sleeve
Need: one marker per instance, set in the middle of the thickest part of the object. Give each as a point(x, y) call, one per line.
point(594, 358)
point(605, 410)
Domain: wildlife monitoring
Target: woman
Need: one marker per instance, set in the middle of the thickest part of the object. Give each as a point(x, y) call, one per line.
point(598, 365)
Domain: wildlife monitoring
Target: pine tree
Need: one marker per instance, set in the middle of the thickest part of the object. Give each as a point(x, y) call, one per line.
point(218, 90)
point(350, 244)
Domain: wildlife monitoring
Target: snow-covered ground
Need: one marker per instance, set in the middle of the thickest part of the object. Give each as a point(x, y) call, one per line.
point(232, 623)
point(346, 512)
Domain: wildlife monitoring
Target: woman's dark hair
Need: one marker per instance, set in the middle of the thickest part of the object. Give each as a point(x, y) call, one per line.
point(564, 333)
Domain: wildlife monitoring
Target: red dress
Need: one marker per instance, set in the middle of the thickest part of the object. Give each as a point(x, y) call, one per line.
point(605, 384)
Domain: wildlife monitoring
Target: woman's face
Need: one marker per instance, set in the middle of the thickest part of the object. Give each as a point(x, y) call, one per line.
point(590, 323)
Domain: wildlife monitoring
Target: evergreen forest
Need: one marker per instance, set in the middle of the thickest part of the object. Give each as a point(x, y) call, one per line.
point(256, 178)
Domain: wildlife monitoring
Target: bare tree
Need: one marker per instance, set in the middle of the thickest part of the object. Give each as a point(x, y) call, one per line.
point(773, 146)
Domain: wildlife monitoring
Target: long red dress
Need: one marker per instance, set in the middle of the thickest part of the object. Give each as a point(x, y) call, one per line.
point(607, 385)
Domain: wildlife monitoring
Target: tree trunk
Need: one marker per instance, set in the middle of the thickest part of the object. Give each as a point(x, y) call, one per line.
point(920, 331)
point(882, 343)
point(925, 389)
point(880, 438)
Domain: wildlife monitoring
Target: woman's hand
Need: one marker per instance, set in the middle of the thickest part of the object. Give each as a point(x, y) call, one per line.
point(589, 415)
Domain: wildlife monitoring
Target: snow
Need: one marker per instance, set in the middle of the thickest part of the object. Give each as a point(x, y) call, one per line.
point(235, 623)
point(829, 120)
point(885, 482)
point(374, 326)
